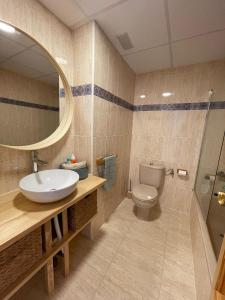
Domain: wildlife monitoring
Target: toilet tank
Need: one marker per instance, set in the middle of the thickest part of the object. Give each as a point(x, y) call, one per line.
point(152, 174)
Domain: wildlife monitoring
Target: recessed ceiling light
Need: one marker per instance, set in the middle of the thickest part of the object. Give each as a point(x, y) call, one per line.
point(7, 28)
point(167, 94)
point(142, 96)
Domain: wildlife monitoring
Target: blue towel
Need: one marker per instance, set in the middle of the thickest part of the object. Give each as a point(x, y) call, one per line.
point(109, 171)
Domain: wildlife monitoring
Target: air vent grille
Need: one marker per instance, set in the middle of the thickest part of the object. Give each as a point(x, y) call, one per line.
point(125, 41)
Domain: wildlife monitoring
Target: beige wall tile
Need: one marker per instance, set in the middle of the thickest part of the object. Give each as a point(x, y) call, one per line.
point(188, 84)
point(83, 59)
point(112, 135)
point(111, 71)
point(112, 123)
point(173, 137)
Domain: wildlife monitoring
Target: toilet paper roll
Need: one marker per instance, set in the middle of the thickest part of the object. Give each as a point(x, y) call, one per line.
point(182, 173)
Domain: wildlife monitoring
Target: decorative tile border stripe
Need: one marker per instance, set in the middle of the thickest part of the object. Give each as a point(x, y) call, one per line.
point(217, 105)
point(180, 106)
point(61, 93)
point(172, 106)
point(27, 104)
point(101, 93)
point(82, 90)
point(86, 89)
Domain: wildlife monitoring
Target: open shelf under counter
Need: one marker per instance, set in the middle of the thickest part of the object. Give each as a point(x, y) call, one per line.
point(20, 217)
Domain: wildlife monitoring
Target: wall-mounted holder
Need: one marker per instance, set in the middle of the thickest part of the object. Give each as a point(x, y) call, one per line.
point(101, 160)
point(182, 173)
point(211, 178)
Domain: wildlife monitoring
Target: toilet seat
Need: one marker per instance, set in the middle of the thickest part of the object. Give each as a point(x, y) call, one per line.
point(145, 195)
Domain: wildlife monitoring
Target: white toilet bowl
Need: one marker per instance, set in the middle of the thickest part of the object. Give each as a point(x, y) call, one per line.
point(145, 194)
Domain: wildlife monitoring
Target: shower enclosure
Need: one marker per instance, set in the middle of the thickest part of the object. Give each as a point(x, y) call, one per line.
point(210, 180)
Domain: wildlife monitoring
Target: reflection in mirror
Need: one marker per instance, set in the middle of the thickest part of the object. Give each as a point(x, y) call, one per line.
point(211, 173)
point(29, 90)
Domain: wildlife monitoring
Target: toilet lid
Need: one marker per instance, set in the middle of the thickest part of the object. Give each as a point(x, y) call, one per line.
point(145, 192)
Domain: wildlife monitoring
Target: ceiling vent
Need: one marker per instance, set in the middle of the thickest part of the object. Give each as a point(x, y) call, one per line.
point(125, 41)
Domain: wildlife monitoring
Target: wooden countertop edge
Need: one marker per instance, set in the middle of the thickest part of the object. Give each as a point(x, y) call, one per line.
point(76, 198)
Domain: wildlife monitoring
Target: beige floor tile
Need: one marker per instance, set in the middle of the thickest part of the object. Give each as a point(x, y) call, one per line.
point(179, 240)
point(129, 259)
point(125, 210)
point(165, 296)
point(89, 275)
point(177, 282)
point(125, 203)
point(134, 281)
point(148, 235)
point(81, 284)
point(98, 253)
point(177, 291)
point(116, 223)
point(133, 255)
point(110, 291)
point(96, 261)
point(181, 257)
point(172, 220)
point(136, 270)
point(152, 244)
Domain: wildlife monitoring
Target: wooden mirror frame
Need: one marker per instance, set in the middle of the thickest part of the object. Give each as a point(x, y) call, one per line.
point(68, 110)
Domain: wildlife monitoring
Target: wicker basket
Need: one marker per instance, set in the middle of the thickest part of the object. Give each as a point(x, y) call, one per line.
point(19, 258)
point(80, 213)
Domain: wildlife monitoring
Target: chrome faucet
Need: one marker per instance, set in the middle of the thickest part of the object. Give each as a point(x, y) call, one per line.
point(36, 161)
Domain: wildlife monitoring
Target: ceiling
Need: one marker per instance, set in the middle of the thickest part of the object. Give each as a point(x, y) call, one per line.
point(19, 54)
point(164, 33)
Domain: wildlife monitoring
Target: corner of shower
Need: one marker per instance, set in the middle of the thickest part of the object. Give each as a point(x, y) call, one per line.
point(210, 177)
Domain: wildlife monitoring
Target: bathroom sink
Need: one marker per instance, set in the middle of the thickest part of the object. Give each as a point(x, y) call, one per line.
point(49, 186)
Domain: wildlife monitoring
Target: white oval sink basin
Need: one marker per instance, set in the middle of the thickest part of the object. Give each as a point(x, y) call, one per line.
point(49, 186)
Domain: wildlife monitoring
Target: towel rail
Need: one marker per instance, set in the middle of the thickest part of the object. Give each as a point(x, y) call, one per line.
point(101, 160)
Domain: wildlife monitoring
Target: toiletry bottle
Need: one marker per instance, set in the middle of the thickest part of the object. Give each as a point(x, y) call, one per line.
point(73, 158)
point(68, 159)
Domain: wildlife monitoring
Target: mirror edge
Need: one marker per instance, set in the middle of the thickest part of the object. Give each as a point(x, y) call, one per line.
point(66, 121)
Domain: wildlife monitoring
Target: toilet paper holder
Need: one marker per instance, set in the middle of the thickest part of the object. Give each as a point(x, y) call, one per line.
point(182, 172)
point(210, 177)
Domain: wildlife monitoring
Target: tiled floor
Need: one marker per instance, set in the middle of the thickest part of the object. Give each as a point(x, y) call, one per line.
point(130, 259)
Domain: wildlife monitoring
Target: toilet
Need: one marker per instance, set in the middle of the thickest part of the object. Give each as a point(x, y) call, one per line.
point(145, 194)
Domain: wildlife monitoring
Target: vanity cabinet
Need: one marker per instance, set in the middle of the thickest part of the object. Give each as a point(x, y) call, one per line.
point(18, 258)
point(81, 212)
point(26, 241)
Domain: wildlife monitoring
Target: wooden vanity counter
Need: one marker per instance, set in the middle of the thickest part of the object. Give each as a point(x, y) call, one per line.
point(19, 216)
point(26, 230)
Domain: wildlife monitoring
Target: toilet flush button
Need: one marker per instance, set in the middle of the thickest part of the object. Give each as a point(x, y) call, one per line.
point(149, 197)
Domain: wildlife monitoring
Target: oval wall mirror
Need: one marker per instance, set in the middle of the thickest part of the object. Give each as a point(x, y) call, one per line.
point(35, 100)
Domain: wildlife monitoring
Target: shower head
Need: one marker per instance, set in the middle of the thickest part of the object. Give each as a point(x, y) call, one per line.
point(211, 92)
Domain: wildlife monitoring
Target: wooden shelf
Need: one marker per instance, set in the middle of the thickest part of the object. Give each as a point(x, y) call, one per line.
point(19, 216)
point(41, 263)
